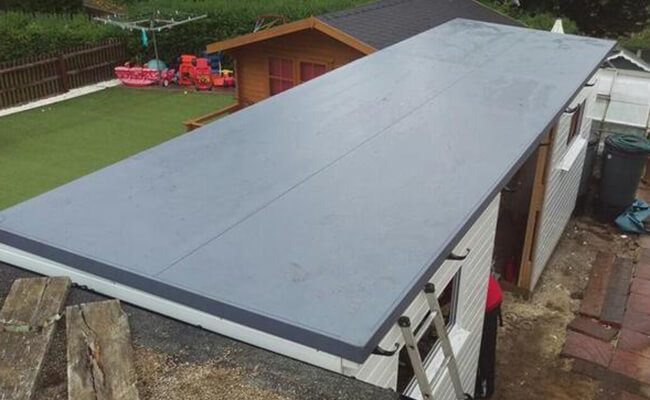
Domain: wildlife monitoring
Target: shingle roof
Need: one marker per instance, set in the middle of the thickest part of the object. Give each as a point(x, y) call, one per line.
point(383, 23)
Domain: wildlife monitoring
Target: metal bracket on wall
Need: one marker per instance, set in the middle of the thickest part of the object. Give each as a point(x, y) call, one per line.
point(571, 110)
point(383, 352)
point(455, 257)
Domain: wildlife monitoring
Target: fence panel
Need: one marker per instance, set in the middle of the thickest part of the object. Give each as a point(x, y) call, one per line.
point(33, 78)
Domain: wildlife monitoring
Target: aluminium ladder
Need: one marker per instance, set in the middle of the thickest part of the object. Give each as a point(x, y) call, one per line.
point(449, 362)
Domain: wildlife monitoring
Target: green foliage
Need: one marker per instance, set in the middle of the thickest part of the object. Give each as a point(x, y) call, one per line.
point(639, 40)
point(43, 6)
point(225, 19)
point(611, 18)
point(534, 17)
point(25, 34)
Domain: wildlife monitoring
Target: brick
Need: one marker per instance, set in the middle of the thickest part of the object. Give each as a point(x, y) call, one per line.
point(607, 376)
point(642, 270)
point(639, 304)
point(634, 342)
point(593, 328)
point(645, 256)
point(631, 365)
point(587, 348)
point(618, 290)
point(640, 286)
point(638, 322)
point(594, 295)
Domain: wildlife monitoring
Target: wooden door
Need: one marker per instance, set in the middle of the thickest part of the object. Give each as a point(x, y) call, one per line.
point(535, 209)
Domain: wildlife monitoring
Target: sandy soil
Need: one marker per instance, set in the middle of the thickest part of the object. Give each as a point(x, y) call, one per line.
point(529, 366)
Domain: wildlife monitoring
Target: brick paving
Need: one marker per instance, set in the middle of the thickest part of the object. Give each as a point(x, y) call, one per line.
point(610, 339)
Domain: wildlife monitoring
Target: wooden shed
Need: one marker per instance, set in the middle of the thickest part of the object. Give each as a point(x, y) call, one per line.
point(314, 224)
point(270, 61)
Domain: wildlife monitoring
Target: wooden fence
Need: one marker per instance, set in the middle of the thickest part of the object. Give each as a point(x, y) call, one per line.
point(34, 78)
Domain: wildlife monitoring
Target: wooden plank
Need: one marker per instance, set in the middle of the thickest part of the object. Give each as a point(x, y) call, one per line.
point(594, 295)
point(100, 355)
point(618, 290)
point(27, 322)
point(536, 205)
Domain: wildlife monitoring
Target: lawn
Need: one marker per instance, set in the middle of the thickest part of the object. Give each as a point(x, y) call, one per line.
point(44, 148)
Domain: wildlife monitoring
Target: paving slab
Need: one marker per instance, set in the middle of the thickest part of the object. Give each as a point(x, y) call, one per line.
point(640, 286)
point(587, 348)
point(593, 328)
point(642, 270)
point(631, 365)
point(594, 295)
point(618, 290)
point(638, 322)
point(639, 303)
point(634, 342)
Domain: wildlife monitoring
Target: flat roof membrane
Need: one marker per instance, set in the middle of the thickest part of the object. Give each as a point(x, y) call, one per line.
point(317, 214)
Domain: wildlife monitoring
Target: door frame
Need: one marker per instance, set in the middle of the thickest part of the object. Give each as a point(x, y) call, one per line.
point(535, 210)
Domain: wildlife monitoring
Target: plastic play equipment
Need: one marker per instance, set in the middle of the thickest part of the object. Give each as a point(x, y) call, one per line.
point(187, 70)
point(203, 78)
point(223, 79)
point(138, 76)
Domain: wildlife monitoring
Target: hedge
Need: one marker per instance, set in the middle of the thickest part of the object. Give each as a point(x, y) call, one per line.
point(23, 35)
point(26, 34)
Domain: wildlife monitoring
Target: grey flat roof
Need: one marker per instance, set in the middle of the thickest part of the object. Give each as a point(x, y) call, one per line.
point(317, 214)
point(386, 22)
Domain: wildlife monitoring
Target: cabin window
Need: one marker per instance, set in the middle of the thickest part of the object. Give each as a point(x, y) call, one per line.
point(428, 342)
point(576, 122)
point(280, 74)
point(309, 70)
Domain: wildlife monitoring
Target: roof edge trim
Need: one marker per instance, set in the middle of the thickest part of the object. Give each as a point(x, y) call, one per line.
point(291, 27)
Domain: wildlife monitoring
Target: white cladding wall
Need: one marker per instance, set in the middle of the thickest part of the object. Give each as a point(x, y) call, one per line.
point(466, 332)
point(561, 185)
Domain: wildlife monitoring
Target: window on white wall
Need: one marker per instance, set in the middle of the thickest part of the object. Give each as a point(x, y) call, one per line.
point(428, 343)
point(576, 122)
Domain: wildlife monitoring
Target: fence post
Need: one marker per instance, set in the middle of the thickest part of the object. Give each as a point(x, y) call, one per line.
point(63, 73)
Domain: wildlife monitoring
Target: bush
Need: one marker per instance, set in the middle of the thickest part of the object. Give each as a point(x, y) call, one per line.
point(43, 6)
point(25, 35)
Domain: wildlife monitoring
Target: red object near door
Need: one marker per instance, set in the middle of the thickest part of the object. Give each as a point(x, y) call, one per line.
point(494, 295)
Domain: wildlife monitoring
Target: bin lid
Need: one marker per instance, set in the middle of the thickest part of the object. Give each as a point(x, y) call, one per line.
point(629, 143)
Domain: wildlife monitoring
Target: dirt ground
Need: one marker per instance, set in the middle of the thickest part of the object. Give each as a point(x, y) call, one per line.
point(528, 365)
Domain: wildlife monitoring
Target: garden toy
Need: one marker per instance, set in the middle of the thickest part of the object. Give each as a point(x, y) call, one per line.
point(223, 79)
point(202, 78)
point(187, 70)
point(138, 76)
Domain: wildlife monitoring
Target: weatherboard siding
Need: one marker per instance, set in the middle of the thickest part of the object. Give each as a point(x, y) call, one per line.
point(561, 187)
point(308, 45)
point(382, 371)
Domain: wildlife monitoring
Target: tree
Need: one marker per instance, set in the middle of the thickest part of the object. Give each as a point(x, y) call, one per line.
point(612, 18)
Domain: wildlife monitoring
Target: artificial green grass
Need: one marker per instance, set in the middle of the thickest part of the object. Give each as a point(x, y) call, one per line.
point(46, 147)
